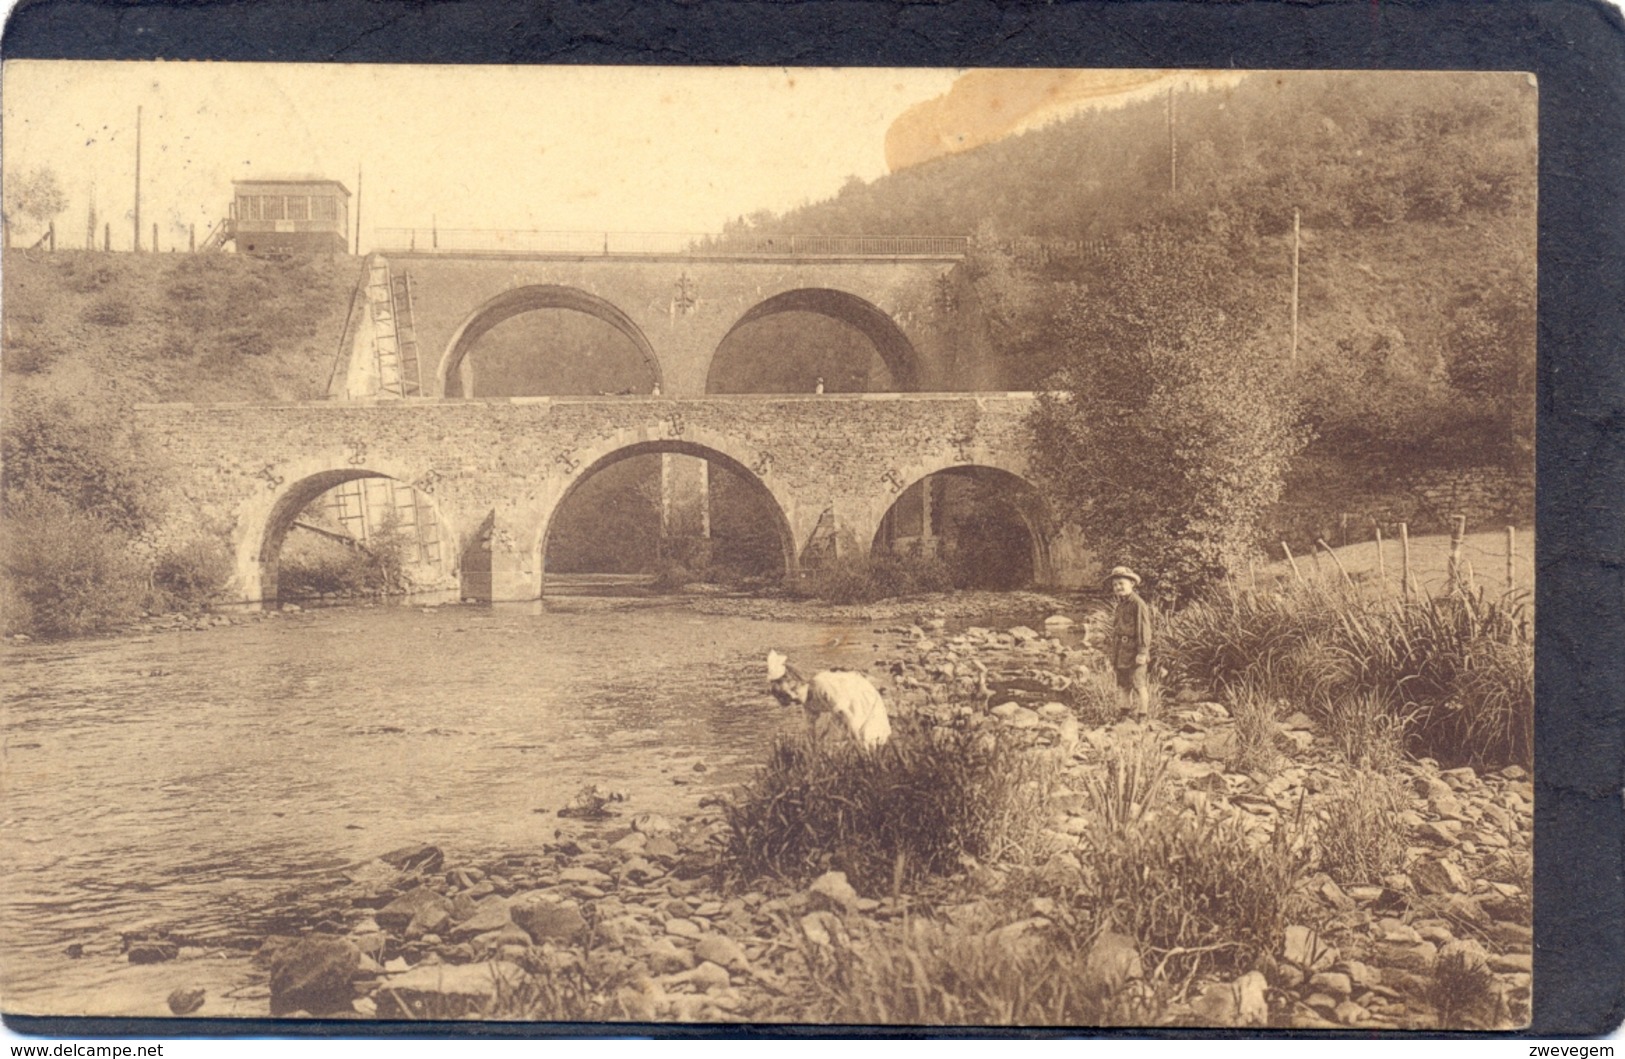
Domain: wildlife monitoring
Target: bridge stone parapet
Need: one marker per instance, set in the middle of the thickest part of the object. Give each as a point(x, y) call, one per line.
point(498, 469)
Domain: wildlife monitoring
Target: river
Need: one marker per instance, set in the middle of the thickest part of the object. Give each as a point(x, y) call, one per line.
point(182, 779)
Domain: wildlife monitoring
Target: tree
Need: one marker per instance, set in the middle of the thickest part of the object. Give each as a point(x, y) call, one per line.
point(36, 195)
point(1170, 434)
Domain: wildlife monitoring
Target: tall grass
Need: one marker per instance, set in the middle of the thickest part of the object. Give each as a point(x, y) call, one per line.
point(926, 973)
point(1358, 840)
point(914, 808)
point(1190, 885)
point(1456, 671)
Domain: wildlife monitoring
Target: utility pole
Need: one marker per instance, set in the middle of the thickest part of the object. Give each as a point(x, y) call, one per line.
point(1173, 148)
point(358, 209)
point(137, 246)
point(1295, 241)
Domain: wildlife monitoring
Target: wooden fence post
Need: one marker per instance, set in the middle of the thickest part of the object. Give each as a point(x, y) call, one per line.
point(1405, 561)
point(1512, 550)
point(1382, 566)
point(1293, 562)
point(1338, 561)
point(1458, 529)
point(50, 234)
point(107, 237)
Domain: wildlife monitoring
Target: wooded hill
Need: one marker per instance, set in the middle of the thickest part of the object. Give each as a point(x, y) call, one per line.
point(1416, 198)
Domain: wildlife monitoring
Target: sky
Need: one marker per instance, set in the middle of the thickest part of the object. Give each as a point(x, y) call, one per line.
point(550, 148)
point(618, 149)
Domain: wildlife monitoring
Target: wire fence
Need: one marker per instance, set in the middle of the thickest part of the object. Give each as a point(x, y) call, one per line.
point(1500, 560)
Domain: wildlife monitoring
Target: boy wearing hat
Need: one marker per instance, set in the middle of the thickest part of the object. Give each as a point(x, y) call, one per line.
point(1130, 648)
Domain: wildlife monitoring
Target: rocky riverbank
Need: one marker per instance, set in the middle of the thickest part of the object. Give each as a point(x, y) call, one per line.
point(623, 914)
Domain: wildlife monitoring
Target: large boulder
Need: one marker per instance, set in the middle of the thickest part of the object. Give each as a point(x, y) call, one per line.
point(420, 858)
point(314, 975)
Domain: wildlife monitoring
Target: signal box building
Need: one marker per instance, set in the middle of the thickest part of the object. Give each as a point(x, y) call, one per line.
point(291, 215)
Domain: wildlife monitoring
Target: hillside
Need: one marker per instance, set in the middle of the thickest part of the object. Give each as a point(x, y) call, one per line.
point(103, 331)
point(1416, 195)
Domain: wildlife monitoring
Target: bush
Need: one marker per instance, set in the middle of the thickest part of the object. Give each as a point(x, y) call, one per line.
point(190, 574)
point(49, 448)
point(914, 808)
point(312, 565)
point(66, 571)
point(865, 579)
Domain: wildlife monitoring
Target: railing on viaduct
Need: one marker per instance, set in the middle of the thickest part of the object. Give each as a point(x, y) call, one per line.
point(610, 244)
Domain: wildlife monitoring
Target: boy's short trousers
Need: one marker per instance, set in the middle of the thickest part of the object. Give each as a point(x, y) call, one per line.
point(1132, 678)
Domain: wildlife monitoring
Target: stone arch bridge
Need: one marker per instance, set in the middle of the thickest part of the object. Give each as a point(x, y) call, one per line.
point(497, 470)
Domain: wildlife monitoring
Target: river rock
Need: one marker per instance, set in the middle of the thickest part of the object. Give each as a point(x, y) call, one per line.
point(683, 928)
point(186, 1000)
point(1435, 875)
point(721, 950)
point(445, 991)
point(831, 892)
point(547, 921)
point(1058, 621)
point(1022, 634)
point(314, 975)
point(428, 923)
point(708, 976)
point(584, 876)
point(651, 824)
point(1252, 1002)
point(419, 858)
point(1113, 961)
point(631, 842)
point(1304, 948)
point(149, 951)
point(1350, 1014)
point(1332, 982)
point(399, 913)
point(660, 847)
point(1216, 1005)
point(492, 914)
point(664, 957)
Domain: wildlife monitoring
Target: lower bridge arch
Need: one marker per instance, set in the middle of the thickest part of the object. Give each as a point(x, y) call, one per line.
point(381, 499)
point(712, 450)
point(966, 512)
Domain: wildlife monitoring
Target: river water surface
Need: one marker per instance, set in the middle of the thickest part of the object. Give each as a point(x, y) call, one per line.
point(183, 779)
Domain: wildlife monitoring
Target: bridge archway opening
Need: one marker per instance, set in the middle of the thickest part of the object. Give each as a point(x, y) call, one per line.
point(548, 340)
point(661, 513)
point(987, 526)
point(788, 342)
point(353, 532)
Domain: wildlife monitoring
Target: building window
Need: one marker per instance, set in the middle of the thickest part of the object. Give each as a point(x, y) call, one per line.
point(271, 208)
point(323, 208)
point(298, 208)
point(248, 208)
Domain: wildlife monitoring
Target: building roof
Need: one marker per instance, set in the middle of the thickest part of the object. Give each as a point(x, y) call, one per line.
point(294, 178)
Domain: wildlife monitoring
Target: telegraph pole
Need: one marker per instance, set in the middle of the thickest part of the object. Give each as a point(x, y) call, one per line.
point(1294, 357)
point(1173, 148)
point(137, 246)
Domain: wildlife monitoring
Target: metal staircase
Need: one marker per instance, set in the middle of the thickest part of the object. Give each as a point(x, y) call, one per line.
point(218, 236)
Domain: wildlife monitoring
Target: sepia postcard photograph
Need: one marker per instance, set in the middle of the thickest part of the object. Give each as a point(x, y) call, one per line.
point(656, 546)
